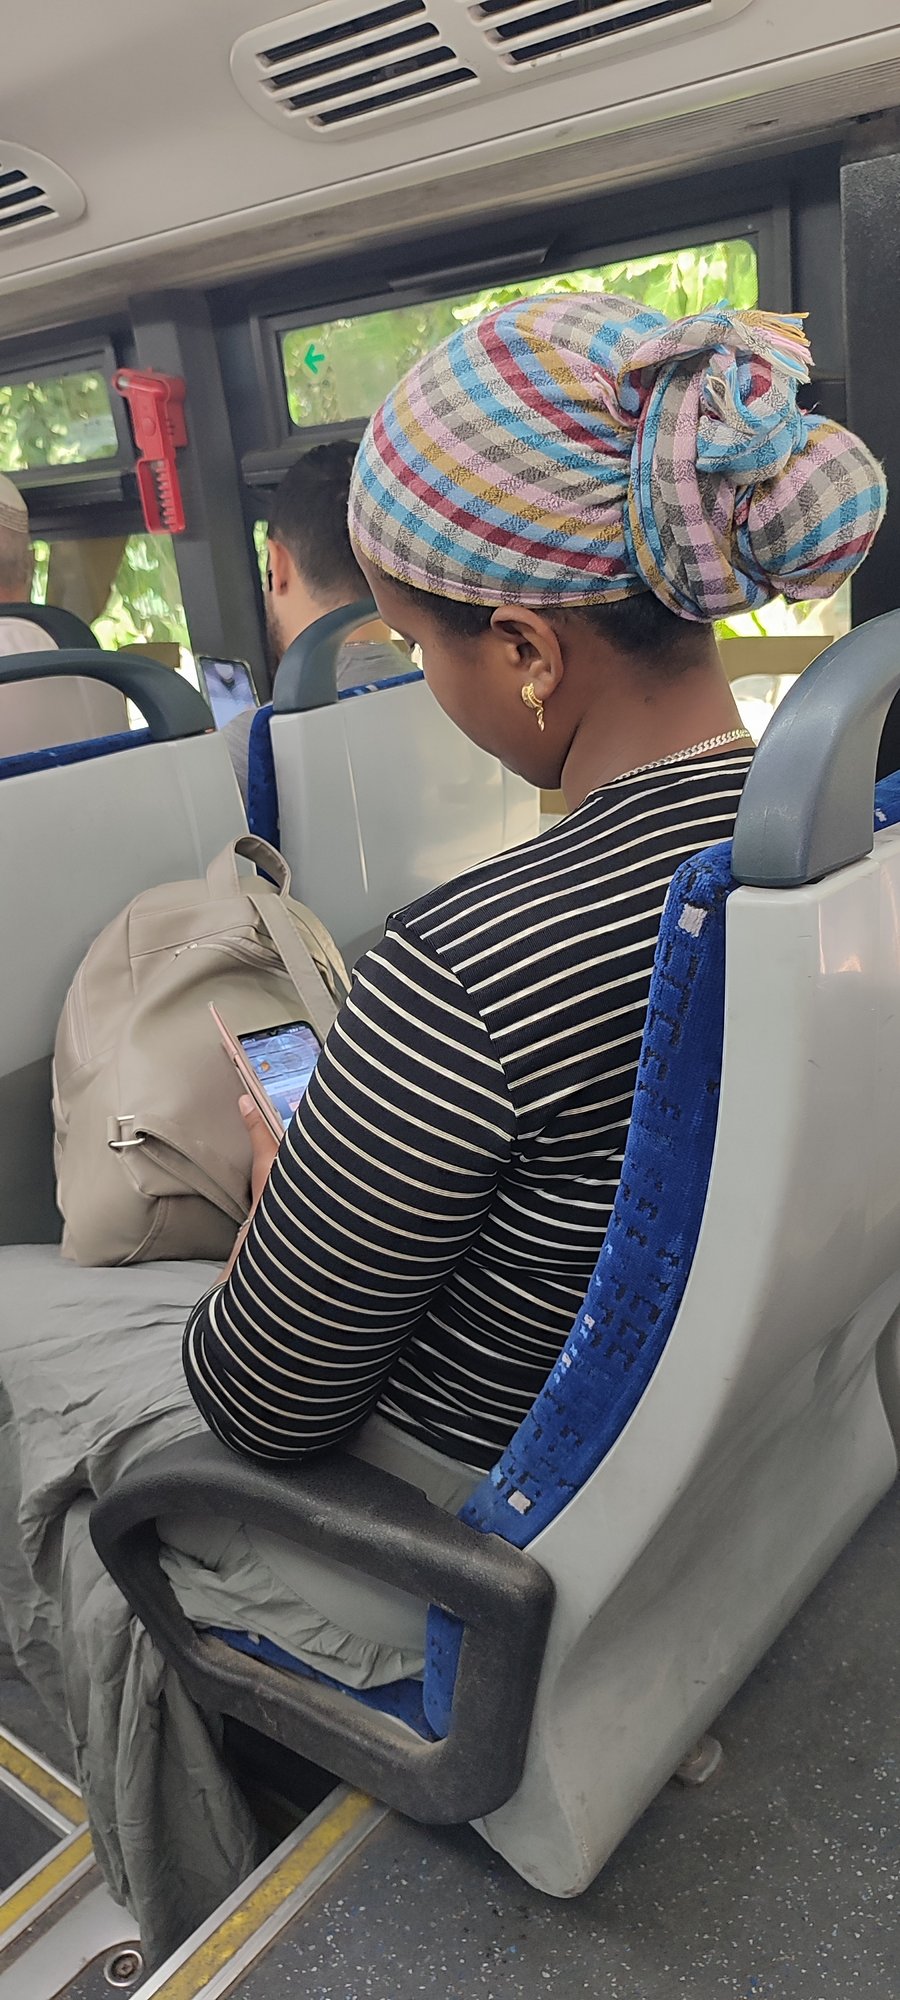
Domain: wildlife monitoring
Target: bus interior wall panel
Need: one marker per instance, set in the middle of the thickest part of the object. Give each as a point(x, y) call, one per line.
point(211, 174)
point(173, 332)
point(623, 165)
point(564, 227)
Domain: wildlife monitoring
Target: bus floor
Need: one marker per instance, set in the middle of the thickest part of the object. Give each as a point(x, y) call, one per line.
point(779, 1880)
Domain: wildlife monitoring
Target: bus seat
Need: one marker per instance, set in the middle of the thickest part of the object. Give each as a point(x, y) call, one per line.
point(55, 709)
point(87, 835)
point(63, 627)
point(724, 1413)
point(262, 790)
point(56, 754)
point(374, 797)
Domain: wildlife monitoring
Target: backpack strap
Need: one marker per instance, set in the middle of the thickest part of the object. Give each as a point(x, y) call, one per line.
point(224, 878)
point(295, 956)
point(280, 919)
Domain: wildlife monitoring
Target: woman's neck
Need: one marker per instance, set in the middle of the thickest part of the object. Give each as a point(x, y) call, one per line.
point(614, 737)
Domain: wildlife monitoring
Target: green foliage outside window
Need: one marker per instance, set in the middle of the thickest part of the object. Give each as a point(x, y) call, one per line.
point(144, 601)
point(57, 420)
point(343, 368)
point(260, 544)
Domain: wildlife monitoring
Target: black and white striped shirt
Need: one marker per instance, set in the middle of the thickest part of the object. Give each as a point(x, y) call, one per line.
point(439, 1202)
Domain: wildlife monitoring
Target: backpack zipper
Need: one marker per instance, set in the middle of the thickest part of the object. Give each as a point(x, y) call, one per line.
point(246, 953)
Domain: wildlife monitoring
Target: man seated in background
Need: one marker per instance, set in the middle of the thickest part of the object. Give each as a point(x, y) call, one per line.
point(17, 635)
point(56, 710)
point(311, 570)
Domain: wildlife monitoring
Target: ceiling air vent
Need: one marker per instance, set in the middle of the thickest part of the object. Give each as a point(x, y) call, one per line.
point(34, 194)
point(331, 69)
point(531, 31)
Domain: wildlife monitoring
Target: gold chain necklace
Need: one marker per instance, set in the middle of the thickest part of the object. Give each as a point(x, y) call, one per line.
point(681, 756)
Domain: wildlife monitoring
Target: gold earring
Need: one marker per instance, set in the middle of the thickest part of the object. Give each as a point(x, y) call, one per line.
point(534, 702)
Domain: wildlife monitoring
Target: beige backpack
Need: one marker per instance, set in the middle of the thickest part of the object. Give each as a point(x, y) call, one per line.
point(152, 1159)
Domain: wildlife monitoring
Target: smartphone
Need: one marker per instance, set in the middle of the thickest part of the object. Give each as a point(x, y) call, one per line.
point(228, 686)
point(274, 1064)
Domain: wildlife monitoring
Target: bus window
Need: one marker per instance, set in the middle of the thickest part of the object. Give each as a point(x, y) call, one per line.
point(64, 419)
point(260, 538)
point(343, 368)
point(126, 589)
point(813, 626)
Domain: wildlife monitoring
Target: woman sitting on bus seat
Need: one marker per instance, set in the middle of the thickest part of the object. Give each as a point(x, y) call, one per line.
point(555, 505)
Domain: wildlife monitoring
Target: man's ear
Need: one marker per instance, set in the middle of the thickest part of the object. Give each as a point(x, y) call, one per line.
point(533, 647)
point(280, 568)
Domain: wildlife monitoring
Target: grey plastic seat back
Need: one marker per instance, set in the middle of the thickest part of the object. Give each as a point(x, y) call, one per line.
point(85, 838)
point(55, 710)
point(380, 797)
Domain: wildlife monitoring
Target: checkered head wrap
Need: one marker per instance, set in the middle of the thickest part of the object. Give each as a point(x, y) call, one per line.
point(579, 449)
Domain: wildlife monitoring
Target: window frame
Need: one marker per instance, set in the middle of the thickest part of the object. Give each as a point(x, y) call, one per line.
point(95, 356)
point(768, 228)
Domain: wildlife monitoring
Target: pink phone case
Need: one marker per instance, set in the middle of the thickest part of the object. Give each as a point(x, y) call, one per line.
point(247, 1075)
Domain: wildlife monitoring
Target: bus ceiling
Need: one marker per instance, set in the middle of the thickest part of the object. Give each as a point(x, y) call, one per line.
point(251, 144)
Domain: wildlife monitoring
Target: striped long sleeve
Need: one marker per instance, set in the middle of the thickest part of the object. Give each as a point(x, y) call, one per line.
point(439, 1203)
point(383, 1179)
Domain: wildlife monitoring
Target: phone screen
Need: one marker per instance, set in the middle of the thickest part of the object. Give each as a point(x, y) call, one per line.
point(282, 1060)
point(229, 688)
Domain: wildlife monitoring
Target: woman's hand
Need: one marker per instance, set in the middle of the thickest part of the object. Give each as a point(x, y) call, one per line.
point(265, 1149)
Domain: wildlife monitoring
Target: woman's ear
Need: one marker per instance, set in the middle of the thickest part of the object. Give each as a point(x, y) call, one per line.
point(533, 646)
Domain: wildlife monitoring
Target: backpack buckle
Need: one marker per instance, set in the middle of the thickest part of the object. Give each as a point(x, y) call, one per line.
point(121, 1133)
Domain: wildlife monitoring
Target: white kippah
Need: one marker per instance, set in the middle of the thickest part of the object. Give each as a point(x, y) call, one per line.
point(13, 511)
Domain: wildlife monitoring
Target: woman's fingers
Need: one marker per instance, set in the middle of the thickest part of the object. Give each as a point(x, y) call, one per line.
point(265, 1146)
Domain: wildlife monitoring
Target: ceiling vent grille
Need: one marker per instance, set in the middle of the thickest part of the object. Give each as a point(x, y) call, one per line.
point(532, 31)
point(34, 194)
point(333, 70)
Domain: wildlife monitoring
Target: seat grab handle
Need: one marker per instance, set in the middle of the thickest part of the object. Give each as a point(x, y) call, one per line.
point(806, 809)
point(169, 705)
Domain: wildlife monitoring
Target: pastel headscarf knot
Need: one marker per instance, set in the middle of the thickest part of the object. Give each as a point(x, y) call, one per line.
point(576, 449)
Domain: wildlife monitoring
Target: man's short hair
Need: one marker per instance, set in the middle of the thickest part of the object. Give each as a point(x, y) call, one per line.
point(309, 519)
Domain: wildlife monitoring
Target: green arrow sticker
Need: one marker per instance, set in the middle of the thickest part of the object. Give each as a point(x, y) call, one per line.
point(313, 359)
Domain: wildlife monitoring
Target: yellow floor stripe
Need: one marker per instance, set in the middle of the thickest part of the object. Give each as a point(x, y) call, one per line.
point(60, 1864)
point(236, 1929)
point(45, 1784)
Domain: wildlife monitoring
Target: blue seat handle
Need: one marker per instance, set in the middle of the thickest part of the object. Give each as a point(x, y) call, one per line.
point(806, 808)
point(169, 705)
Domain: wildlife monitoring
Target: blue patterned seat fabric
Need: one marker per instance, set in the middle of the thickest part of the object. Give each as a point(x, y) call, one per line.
point(26, 761)
point(636, 1290)
point(262, 787)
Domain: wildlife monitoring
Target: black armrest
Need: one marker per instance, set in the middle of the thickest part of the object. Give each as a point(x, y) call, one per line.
point(341, 1507)
point(307, 676)
point(169, 705)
